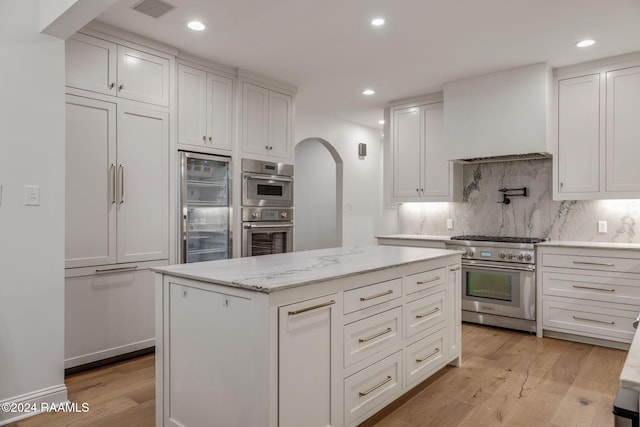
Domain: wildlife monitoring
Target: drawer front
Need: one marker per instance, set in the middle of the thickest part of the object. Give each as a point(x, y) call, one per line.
point(598, 322)
point(426, 312)
point(371, 335)
point(366, 391)
point(596, 288)
point(368, 296)
point(425, 280)
point(425, 356)
point(595, 262)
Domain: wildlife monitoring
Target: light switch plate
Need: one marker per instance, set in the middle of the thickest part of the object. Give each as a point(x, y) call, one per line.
point(32, 195)
point(602, 227)
point(449, 224)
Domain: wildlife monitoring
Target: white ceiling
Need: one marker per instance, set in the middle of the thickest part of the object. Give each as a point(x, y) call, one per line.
point(329, 50)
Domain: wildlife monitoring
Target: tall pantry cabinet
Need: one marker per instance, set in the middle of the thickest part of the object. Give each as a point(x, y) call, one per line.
point(117, 194)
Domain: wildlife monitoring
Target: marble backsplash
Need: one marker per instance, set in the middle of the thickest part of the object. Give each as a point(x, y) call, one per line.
point(534, 216)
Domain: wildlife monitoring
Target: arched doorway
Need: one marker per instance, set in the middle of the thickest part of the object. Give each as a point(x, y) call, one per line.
point(317, 195)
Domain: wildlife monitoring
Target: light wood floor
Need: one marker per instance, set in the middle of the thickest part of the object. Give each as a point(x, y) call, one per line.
point(507, 379)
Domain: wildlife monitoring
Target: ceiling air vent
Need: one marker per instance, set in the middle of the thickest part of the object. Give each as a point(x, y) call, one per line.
point(153, 8)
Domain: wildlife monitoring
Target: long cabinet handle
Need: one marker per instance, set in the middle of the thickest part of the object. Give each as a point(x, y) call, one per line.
point(304, 310)
point(420, 316)
point(112, 172)
point(121, 173)
point(381, 294)
point(433, 353)
point(115, 270)
point(379, 334)
point(424, 282)
point(607, 322)
point(375, 387)
point(605, 264)
point(455, 268)
point(594, 289)
point(268, 178)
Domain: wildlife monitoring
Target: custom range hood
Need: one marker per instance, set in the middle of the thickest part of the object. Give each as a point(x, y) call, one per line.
point(501, 116)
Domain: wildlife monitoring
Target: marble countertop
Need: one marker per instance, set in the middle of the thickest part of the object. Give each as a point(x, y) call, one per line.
point(630, 375)
point(414, 237)
point(592, 245)
point(269, 273)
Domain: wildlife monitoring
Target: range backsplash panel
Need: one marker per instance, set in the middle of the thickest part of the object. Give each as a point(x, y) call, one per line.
point(534, 216)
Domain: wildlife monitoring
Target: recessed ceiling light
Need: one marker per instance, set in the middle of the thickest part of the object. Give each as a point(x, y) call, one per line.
point(368, 92)
point(196, 25)
point(377, 22)
point(586, 43)
point(381, 122)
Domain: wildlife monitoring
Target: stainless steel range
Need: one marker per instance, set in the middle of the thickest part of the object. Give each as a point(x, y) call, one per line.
point(498, 280)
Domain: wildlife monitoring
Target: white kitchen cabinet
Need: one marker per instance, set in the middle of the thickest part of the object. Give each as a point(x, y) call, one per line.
point(305, 348)
point(588, 294)
point(598, 133)
point(421, 172)
point(116, 183)
point(205, 109)
point(101, 66)
point(267, 122)
point(109, 312)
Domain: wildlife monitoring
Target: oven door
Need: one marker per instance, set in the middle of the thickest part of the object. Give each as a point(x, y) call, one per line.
point(266, 238)
point(503, 290)
point(267, 190)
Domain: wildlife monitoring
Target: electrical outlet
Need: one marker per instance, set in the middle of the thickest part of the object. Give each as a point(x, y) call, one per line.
point(602, 227)
point(449, 224)
point(32, 195)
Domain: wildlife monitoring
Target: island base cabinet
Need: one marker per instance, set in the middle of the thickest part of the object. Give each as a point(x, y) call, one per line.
point(215, 359)
point(425, 356)
point(306, 332)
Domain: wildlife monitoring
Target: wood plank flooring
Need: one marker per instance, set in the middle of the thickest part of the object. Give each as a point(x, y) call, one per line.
point(507, 378)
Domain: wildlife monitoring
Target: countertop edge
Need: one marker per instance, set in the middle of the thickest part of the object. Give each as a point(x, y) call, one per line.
point(630, 375)
point(589, 245)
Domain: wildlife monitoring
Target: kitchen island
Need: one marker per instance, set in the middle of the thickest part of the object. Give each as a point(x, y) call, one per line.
point(323, 337)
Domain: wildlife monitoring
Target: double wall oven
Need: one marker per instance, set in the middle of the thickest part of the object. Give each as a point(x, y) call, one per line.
point(267, 208)
point(498, 280)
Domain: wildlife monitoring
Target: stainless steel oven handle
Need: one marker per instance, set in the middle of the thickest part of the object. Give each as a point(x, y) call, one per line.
point(510, 267)
point(268, 178)
point(252, 226)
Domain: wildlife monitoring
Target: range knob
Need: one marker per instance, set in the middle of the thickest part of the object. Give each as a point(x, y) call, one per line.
point(255, 215)
point(469, 253)
point(521, 257)
point(503, 255)
point(512, 256)
point(527, 257)
point(283, 214)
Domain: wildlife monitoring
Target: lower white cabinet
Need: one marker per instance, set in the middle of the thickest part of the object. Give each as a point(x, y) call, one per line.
point(109, 311)
point(303, 356)
point(588, 294)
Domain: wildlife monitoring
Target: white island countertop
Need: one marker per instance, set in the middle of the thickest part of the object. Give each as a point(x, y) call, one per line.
point(630, 375)
point(269, 273)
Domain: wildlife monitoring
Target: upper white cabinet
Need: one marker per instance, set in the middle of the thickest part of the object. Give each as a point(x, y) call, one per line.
point(598, 134)
point(117, 183)
point(267, 122)
point(421, 171)
point(205, 109)
point(101, 66)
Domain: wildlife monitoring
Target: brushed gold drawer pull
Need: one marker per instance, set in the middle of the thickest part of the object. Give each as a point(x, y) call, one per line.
point(420, 316)
point(455, 268)
point(379, 334)
point(381, 294)
point(433, 353)
point(304, 310)
point(116, 270)
point(594, 289)
point(375, 387)
point(609, 322)
point(423, 282)
point(605, 264)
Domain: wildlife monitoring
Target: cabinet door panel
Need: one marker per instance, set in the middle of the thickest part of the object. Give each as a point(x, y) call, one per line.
point(143, 185)
point(219, 110)
point(255, 119)
point(90, 222)
point(305, 359)
point(435, 181)
point(192, 106)
point(579, 134)
point(143, 77)
point(91, 64)
point(407, 152)
point(623, 130)
point(279, 124)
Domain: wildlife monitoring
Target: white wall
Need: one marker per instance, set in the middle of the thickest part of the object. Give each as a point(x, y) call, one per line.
point(363, 216)
point(31, 238)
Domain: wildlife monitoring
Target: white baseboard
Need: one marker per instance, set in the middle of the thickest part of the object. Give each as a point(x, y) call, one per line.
point(34, 400)
point(105, 354)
